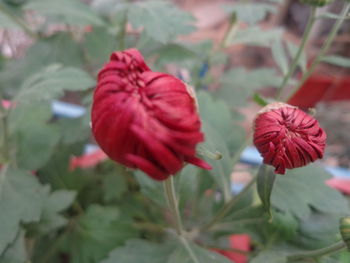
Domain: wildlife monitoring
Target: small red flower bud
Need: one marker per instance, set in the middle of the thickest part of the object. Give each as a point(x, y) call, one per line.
point(287, 137)
point(144, 119)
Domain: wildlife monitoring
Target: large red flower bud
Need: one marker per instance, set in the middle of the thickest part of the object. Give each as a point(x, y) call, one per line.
point(144, 119)
point(287, 137)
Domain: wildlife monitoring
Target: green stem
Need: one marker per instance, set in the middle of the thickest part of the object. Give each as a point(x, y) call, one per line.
point(319, 252)
point(296, 59)
point(188, 248)
point(172, 201)
point(18, 21)
point(228, 206)
point(324, 48)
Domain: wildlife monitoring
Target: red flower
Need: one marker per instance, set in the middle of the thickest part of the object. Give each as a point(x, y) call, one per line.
point(287, 137)
point(144, 119)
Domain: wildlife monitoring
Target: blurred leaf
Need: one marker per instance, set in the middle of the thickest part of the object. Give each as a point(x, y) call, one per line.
point(292, 193)
point(72, 12)
point(265, 182)
point(32, 133)
point(293, 49)
point(142, 251)
point(319, 230)
point(161, 20)
point(55, 203)
point(58, 48)
point(285, 224)
point(269, 257)
point(151, 188)
point(257, 37)
point(279, 56)
point(99, 45)
point(239, 84)
point(337, 61)
point(109, 7)
point(16, 252)
point(7, 23)
point(228, 123)
point(21, 201)
point(173, 53)
point(114, 186)
point(250, 13)
point(222, 168)
point(74, 130)
point(51, 83)
point(96, 233)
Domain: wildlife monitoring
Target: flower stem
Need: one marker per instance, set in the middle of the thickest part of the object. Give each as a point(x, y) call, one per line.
point(319, 252)
point(172, 201)
point(228, 206)
point(324, 48)
point(18, 21)
point(296, 59)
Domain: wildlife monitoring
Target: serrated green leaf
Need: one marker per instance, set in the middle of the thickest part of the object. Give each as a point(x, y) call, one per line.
point(56, 202)
point(96, 233)
point(265, 182)
point(21, 201)
point(293, 49)
point(72, 12)
point(337, 61)
point(142, 251)
point(16, 252)
point(51, 83)
point(250, 13)
point(161, 20)
point(152, 189)
point(303, 189)
point(279, 56)
point(255, 36)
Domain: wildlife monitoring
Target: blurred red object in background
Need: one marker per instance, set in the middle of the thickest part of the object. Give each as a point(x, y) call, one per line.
point(341, 184)
point(240, 242)
point(88, 160)
point(321, 88)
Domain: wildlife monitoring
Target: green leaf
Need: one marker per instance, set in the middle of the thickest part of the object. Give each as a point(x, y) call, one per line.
point(114, 186)
point(51, 83)
point(6, 22)
point(72, 12)
point(222, 169)
point(279, 56)
point(173, 53)
point(257, 37)
point(293, 49)
point(99, 44)
point(96, 233)
point(302, 190)
point(337, 61)
point(250, 13)
point(56, 202)
point(16, 252)
point(161, 20)
point(21, 201)
point(269, 257)
point(265, 182)
point(142, 251)
point(32, 133)
point(151, 188)
point(239, 84)
point(227, 126)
